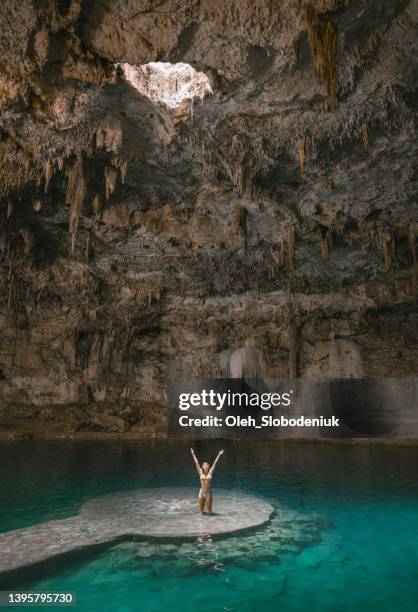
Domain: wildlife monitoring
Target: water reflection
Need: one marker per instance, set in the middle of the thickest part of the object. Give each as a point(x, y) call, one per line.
point(206, 552)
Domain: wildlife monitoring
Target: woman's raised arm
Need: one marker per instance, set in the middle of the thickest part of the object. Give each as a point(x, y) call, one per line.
point(221, 452)
point(199, 469)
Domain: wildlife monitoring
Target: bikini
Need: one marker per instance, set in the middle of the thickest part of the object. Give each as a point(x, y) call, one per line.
point(204, 494)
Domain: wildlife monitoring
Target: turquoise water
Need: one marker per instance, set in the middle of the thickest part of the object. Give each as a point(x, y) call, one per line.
point(365, 500)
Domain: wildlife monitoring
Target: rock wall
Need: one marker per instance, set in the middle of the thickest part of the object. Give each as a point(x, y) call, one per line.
point(274, 218)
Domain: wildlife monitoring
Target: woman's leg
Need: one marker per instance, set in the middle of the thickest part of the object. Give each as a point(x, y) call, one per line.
point(202, 502)
point(209, 501)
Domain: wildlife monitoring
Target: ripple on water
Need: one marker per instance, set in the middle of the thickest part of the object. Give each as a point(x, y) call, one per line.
point(288, 532)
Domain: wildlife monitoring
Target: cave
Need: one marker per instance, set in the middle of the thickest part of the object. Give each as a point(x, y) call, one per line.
point(169, 84)
point(183, 184)
point(208, 259)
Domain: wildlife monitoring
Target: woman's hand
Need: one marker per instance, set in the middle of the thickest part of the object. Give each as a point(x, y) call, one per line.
point(221, 452)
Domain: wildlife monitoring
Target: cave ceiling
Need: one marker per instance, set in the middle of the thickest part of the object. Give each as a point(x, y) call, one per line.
point(297, 173)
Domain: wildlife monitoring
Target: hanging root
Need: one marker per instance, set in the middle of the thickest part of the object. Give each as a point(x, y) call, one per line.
point(322, 36)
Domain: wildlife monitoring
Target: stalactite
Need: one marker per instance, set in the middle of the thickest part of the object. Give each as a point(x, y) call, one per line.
point(365, 135)
point(278, 254)
point(293, 348)
point(60, 164)
point(413, 246)
point(240, 223)
point(37, 204)
point(75, 195)
point(239, 177)
point(387, 243)
point(9, 209)
point(296, 45)
point(88, 247)
point(27, 164)
point(3, 239)
point(290, 244)
point(412, 237)
point(239, 168)
point(326, 241)
point(322, 36)
point(302, 150)
point(96, 205)
point(110, 180)
point(28, 238)
point(100, 137)
point(49, 171)
point(286, 246)
point(326, 183)
point(123, 170)
point(11, 287)
point(10, 274)
point(10, 278)
point(292, 331)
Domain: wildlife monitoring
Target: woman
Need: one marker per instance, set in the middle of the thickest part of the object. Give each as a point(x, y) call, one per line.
point(205, 474)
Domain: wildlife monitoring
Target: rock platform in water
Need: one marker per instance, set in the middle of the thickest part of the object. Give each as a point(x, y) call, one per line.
point(157, 513)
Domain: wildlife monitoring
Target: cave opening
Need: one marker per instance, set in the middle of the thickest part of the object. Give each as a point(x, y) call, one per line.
point(174, 85)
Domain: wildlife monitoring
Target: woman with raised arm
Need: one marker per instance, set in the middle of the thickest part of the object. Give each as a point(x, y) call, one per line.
point(205, 474)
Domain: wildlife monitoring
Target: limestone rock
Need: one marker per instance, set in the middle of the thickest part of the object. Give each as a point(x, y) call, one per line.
point(254, 211)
